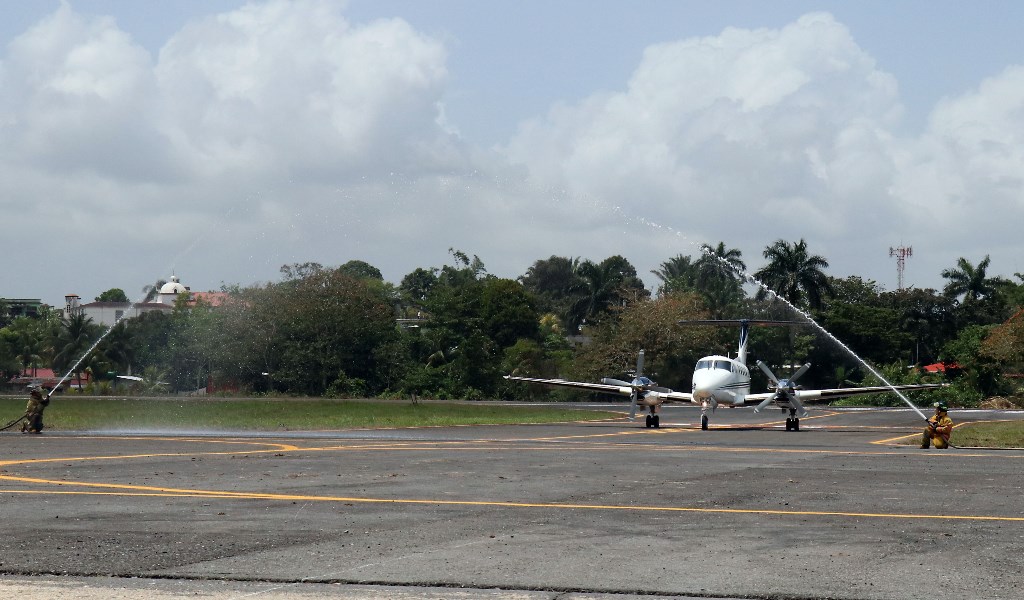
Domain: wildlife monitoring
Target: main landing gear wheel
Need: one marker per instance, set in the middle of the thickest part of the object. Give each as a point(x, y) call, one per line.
point(792, 424)
point(704, 422)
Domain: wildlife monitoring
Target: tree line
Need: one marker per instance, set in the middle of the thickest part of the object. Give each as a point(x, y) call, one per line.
point(452, 331)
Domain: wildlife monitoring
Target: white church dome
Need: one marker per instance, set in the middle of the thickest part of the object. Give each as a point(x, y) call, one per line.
point(172, 286)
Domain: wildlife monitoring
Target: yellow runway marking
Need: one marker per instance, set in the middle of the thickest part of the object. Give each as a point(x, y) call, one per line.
point(572, 443)
point(578, 443)
point(129, 490)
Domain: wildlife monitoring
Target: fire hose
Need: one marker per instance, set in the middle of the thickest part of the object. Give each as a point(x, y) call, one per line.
point(14, 422)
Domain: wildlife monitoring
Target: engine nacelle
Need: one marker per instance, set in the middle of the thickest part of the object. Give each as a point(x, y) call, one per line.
point(653, 399)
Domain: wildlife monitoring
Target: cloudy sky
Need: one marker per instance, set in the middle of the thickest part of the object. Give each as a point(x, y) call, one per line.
point(221, 139)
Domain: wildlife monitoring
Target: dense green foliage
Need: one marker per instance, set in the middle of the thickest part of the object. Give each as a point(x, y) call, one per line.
point(452, 331)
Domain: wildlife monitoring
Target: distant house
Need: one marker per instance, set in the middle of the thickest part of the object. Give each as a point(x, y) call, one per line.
point(45, 378)
point(211, 298)
point(173, 289)
point(23, 307)
point(109, 313)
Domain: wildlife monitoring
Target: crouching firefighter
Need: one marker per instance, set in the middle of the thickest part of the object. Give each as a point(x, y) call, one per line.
point(939, 428)
point(37, 403)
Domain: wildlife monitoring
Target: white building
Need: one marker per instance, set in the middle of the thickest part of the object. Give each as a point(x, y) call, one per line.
point(169, 291)
point(108, 314)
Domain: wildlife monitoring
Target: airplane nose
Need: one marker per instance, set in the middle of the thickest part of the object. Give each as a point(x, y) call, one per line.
point(705, 385)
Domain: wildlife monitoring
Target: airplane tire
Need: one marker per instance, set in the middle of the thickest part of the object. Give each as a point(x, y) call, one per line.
point(704, 422)
point(796, 424)
point(789, 424)
point(656, 421)
point(648, 421)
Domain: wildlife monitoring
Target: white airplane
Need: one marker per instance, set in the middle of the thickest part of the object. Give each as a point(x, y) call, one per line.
point(722, 381)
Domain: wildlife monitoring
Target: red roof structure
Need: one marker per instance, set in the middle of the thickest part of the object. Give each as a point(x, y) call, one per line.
point(211, 298)
point(46, 378)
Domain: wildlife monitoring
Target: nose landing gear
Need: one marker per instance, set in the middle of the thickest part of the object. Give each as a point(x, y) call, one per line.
point(792, 421)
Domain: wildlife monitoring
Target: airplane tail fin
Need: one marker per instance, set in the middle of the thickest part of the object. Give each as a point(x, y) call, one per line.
point(741, 353)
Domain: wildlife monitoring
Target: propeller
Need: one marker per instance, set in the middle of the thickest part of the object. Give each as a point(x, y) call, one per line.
point(783, 387)
point(638, 385)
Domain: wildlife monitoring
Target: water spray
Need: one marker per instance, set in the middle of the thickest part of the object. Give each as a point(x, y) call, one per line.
point(188, 249)
point(89, 351)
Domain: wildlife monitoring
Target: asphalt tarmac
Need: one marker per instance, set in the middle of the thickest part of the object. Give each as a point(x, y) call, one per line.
point(569, 511)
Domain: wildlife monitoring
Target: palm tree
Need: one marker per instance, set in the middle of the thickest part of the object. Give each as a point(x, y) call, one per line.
point(720, 263)
point(594, 291)
point(30, 353)
point(794, 274)
point(153, 290)
point(601, 286)
point(677, 274)
point(75, 337)
point(117, 348)
point(722, 273)
point(552, 281)
point(969, 281)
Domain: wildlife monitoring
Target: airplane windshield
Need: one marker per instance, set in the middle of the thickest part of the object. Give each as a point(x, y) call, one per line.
point(704, 364)
point(723, 364)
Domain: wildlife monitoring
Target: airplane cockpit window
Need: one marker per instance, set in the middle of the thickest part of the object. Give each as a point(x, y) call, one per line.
point(644, 381)
point(723, 364)
point(704, 364)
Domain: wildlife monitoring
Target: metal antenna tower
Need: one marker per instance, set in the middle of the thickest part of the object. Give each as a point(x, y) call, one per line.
point(901, 255)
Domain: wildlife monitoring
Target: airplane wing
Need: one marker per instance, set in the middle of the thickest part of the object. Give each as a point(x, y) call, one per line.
point(656, 395)
point(580, 385)
point(673, 396)
point(834, 393)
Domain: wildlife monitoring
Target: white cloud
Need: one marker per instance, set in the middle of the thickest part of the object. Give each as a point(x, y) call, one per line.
point(78, 94)
point(755, 135)
point(261, 123)
point(747, 122)
point(281, 132)
point(963, 179)
point(293, 88)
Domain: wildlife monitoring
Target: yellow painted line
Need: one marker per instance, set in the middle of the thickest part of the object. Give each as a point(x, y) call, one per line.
point(582, 436)
point(131, 456)
point(272, 447)
point(504, 445)
point(891, 441)
point(175, 492)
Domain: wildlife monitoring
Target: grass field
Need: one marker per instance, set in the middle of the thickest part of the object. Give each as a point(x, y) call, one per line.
point(139, 414)
point(1006, 434)
point(991, 434)
point(142, 414)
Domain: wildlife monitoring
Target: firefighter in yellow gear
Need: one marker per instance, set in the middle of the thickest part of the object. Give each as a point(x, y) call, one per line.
point(939, 428)
point(37, 403)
